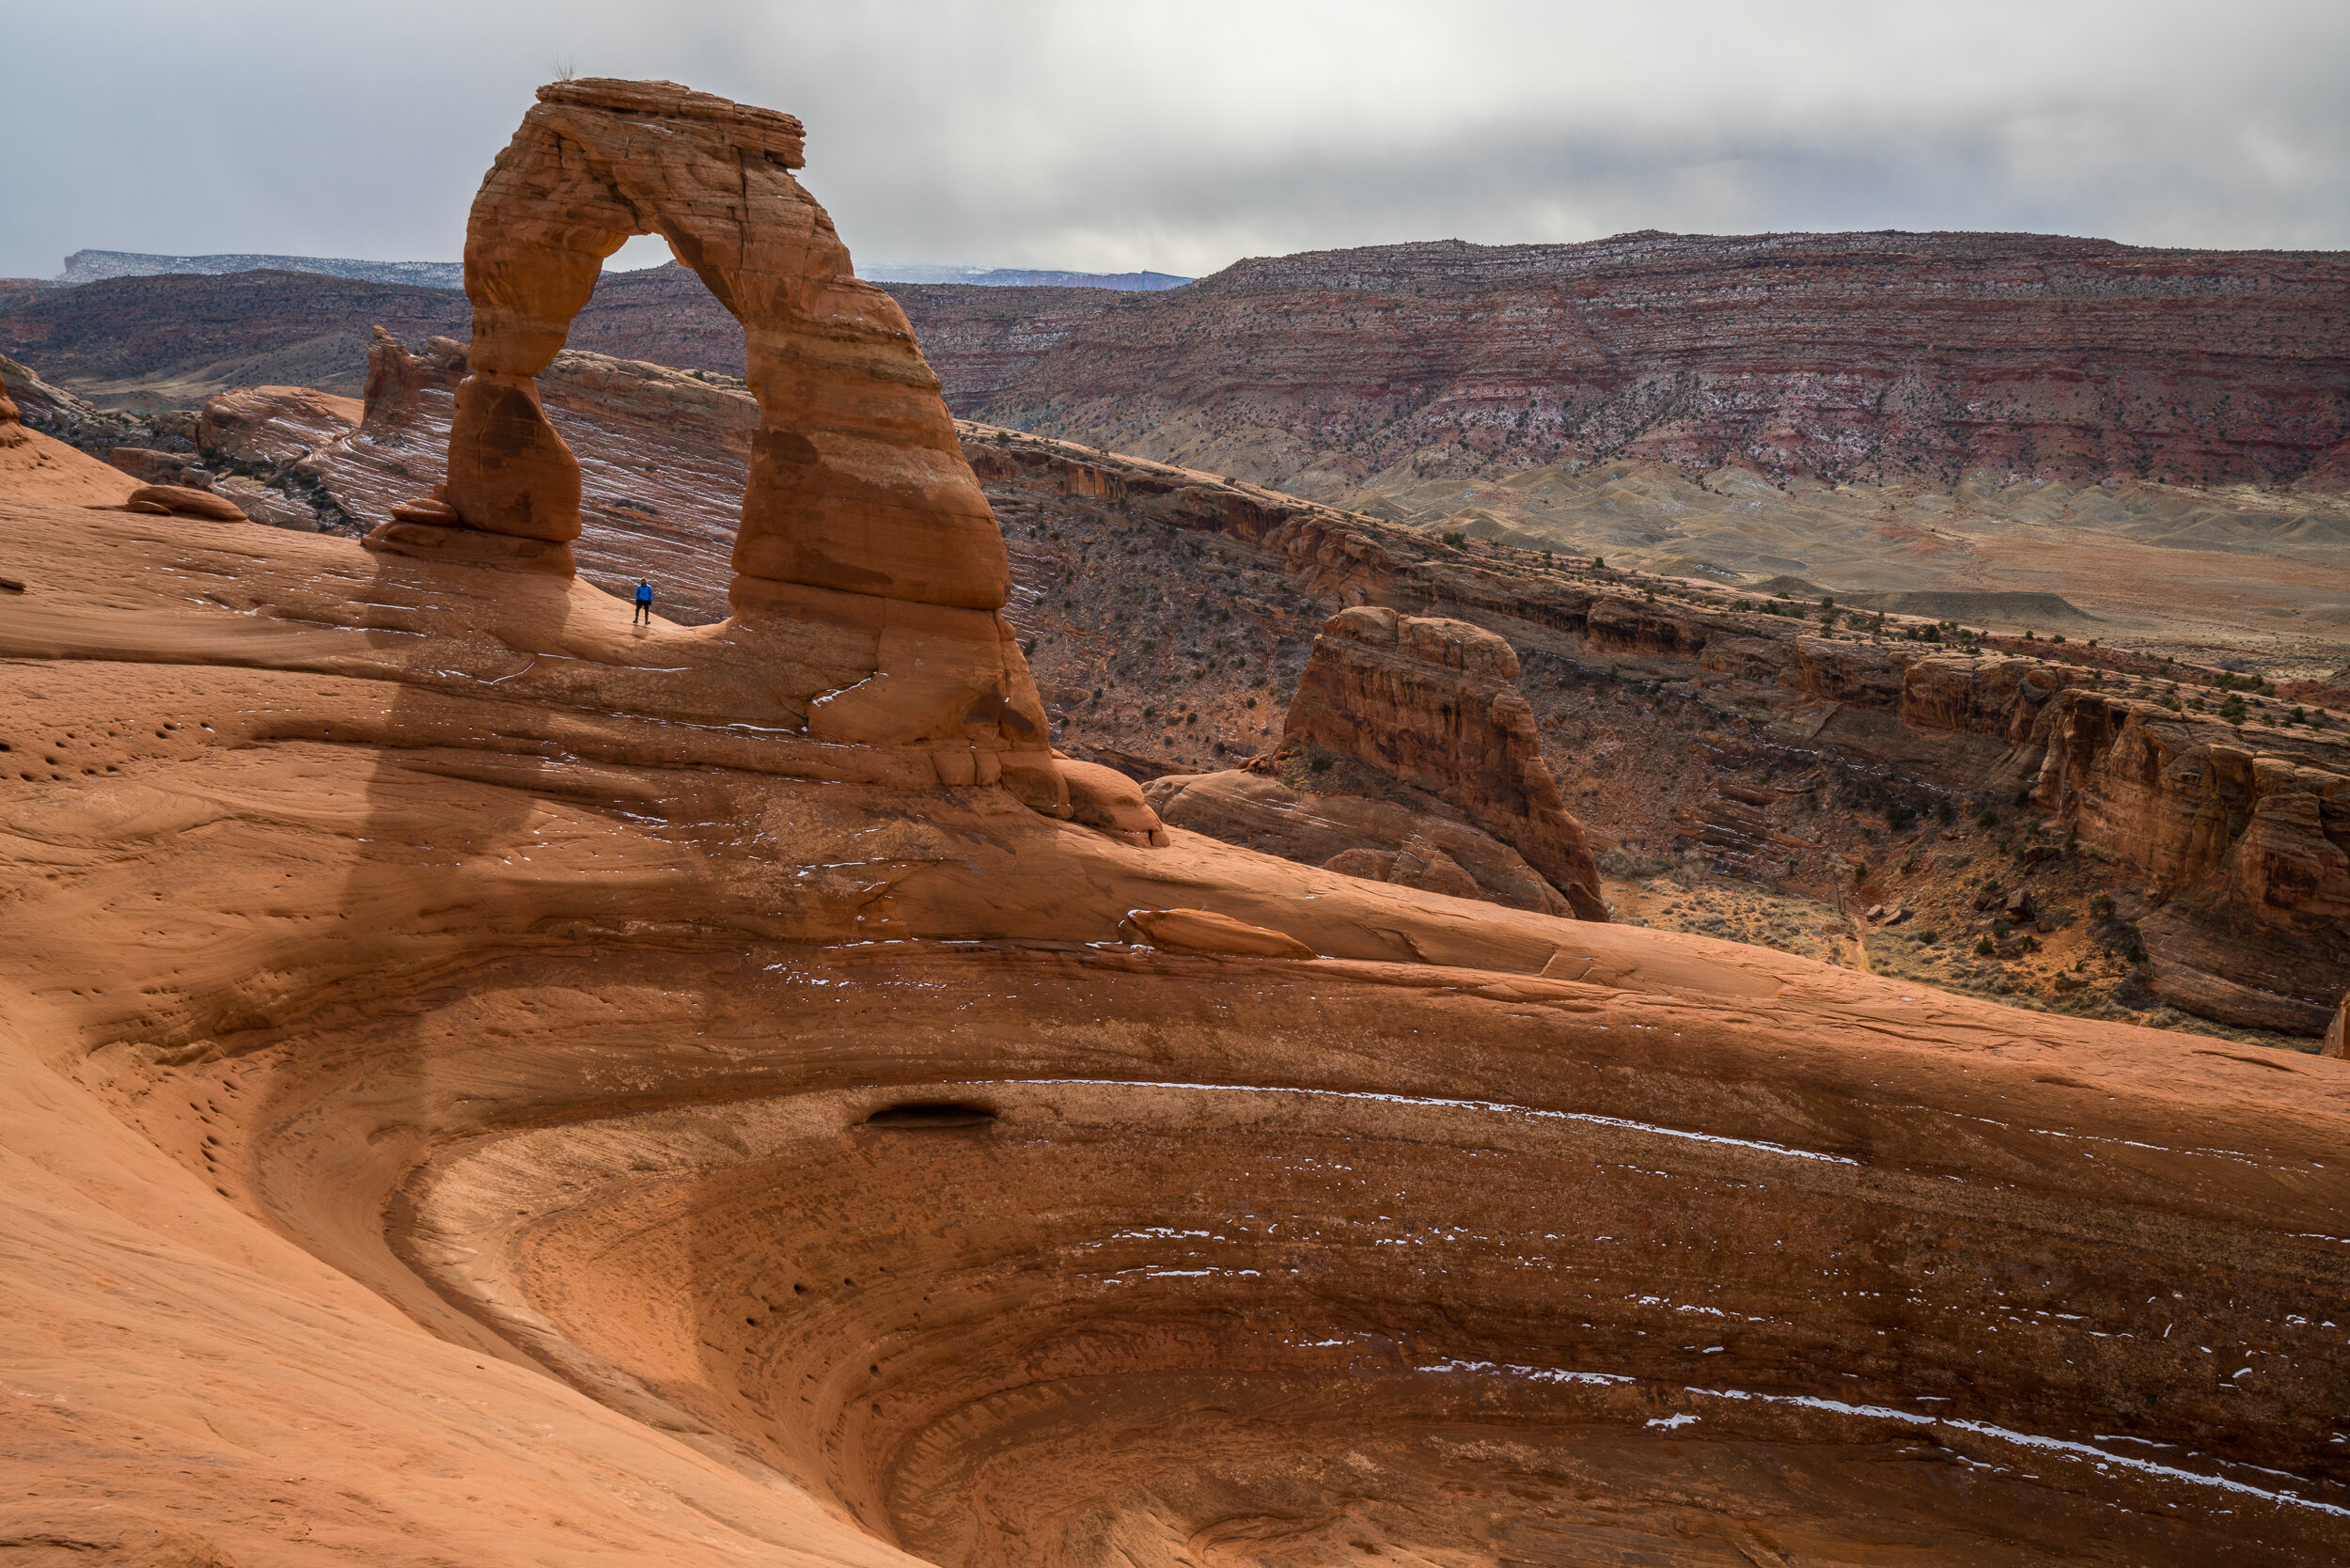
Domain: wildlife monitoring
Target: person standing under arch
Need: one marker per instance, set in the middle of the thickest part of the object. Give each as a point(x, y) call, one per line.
point(644, 604)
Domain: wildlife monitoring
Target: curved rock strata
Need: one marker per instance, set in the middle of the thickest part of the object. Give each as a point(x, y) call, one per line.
point(483, 1081)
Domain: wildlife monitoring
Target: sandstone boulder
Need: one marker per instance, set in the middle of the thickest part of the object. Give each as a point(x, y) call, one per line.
point(183, 502)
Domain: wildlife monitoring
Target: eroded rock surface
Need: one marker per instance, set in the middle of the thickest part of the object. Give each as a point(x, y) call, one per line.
point(1756, 710)
point(485, 1081)
point(1848, 355)
point(1430, 701)
point(857, 484)
point(1457, 799)
point(526, 1119)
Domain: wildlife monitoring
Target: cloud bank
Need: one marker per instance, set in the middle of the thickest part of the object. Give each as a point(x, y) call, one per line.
point(1181, 138)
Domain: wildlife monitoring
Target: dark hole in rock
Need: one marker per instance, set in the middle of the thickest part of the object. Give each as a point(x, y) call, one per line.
point(930, 1115)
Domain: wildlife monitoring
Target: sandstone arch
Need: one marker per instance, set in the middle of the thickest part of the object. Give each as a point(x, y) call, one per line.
point(856, 482)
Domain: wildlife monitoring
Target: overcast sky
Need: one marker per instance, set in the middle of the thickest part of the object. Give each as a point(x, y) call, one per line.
point(1110, 136)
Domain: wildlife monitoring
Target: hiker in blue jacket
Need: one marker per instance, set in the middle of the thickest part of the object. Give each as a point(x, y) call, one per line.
point(644, 605)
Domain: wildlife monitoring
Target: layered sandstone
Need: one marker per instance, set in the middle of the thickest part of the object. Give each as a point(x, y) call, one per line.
point(856, 484)
point(1430, 701)
point(482, 1080)
point(530, 1126)
point(1767, 710)
point(1876, 356)
point(661, 491)
point(172, 341)
point(1375, 827)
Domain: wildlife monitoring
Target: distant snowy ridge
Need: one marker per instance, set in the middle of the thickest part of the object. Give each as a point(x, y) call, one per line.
point(1016, 278)
point(91, 266)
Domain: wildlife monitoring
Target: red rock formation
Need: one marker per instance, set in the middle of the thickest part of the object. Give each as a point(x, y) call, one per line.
point(448, 1101)
point(2243, 923)
point(2246, 852)
point(857, 484)
point(275, 424)
point(1867, 355)
point(183, 501)
point(485, 1081)
point(1430, 702)
point(1394, 833)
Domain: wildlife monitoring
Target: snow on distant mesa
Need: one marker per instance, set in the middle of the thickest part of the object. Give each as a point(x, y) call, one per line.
point(91, 266)
point(1019, 278)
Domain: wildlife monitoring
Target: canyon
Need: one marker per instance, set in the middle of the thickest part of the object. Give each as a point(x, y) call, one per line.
point(491, 1080)
point(1706, 729)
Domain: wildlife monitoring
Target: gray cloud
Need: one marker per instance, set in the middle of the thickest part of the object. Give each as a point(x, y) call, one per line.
point(1182, 136)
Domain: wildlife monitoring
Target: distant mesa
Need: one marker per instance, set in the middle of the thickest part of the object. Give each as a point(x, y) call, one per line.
point(1024, 277)
point(95, 266)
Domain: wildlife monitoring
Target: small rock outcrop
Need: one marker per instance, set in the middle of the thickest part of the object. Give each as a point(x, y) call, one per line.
point(1431, 701)
point(1444, 785)
point(179, 500)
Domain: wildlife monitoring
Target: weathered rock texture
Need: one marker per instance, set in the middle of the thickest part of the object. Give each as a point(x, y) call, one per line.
point(2244, 912)
point(1430, 701)
point(1352, 824)
point(484, 1081)
point(857, 484)
point(663, 457)
point(1865, 355)
point(459, 1103)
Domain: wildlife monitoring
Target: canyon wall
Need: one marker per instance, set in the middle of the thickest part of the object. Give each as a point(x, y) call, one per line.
point(1873, 356)
point(1877, 357)
point(2231, 843)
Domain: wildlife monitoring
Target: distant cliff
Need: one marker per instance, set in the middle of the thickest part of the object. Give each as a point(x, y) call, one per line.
point(1870, 357)
point(95, 266)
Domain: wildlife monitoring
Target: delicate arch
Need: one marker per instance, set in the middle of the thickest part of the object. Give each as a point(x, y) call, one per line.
point(857, 483)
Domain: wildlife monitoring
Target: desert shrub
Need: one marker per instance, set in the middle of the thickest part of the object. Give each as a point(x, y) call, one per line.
point(2102, 906)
